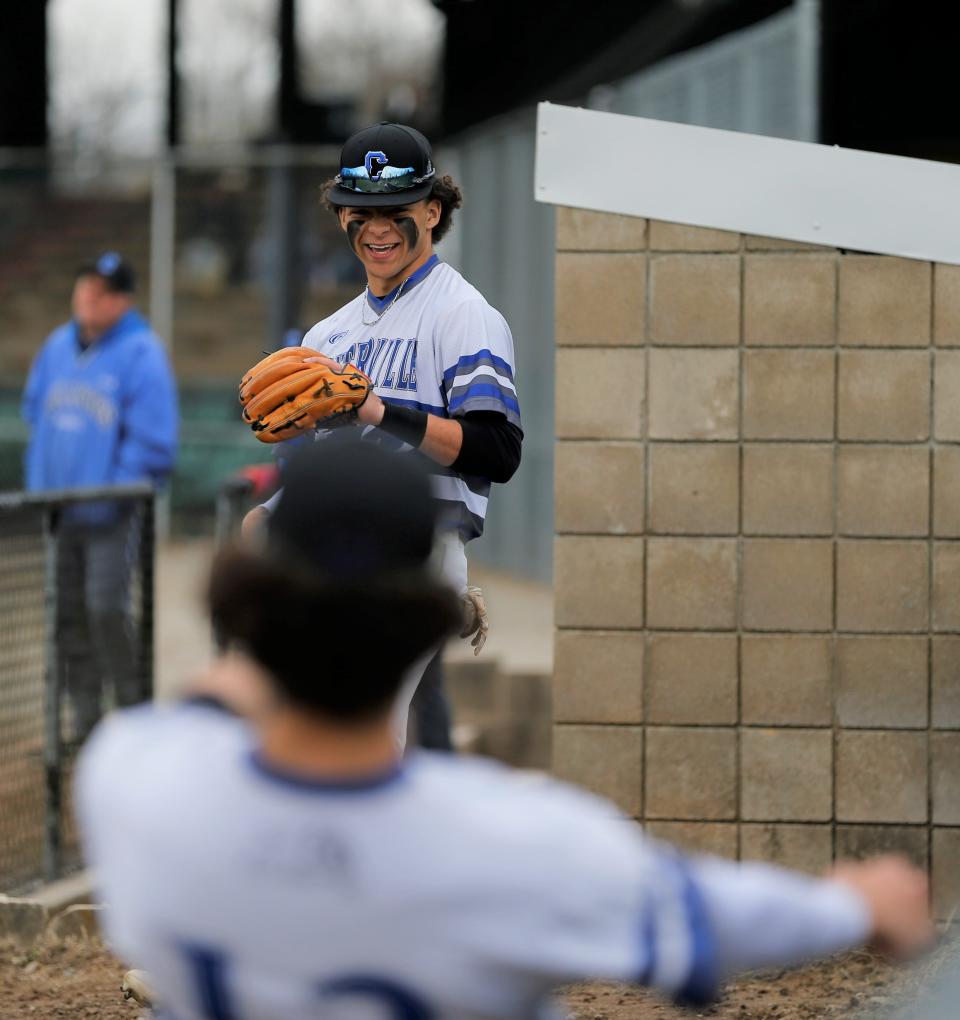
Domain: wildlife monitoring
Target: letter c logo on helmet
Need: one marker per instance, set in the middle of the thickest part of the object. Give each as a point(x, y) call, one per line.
point(371, 158)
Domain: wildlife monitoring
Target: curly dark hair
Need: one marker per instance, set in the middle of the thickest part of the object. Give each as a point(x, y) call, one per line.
point(445, 190)
point(303, 633)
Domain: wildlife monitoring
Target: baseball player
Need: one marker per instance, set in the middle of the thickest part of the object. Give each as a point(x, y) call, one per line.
point(288, 863)
point(439, 356)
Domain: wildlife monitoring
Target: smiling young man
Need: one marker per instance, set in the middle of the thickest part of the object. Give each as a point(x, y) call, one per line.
point(439, 356)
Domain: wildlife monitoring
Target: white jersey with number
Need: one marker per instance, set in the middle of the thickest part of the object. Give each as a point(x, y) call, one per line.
point(437, 346)
point(448, 889)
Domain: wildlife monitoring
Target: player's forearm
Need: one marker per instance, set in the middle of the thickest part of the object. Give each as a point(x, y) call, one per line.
point(763, 916)
point(438, 438)
point(442, 440)
point(482, 443)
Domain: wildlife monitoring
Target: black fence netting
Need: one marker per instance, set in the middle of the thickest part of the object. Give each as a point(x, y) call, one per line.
point(76, 598)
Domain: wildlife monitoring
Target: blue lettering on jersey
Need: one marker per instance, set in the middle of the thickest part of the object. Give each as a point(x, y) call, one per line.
point(364, 350)
point(388, 382)
point(399, 1002)
point(210, 971)
point(390, 363)
point(413, 365)
point(407, 378)
point(380, 345)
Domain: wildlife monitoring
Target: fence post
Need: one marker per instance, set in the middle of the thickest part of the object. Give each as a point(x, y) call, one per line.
point(163, 208)
point(52, 745)
point(163, 240)
point(148, 541)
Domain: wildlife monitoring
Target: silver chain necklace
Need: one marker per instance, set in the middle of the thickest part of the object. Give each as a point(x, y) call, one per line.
point(373, 322)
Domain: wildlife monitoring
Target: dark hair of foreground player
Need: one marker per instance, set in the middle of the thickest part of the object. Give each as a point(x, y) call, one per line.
point(341, 601)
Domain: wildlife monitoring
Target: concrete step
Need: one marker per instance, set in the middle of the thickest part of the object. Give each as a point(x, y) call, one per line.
point(57, 904)
point(501, 714)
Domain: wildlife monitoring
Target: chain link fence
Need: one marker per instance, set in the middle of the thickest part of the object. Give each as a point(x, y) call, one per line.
point(76, 595)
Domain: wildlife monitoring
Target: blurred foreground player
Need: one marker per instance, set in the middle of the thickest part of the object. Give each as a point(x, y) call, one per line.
point(292, 866)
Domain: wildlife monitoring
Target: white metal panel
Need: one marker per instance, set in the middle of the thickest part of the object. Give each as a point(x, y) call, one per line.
point(799, 191)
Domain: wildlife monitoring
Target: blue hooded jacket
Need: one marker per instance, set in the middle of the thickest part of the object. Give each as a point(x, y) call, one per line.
point(102, 415)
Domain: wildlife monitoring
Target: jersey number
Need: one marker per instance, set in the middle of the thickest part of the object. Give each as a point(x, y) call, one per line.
point(209, 970)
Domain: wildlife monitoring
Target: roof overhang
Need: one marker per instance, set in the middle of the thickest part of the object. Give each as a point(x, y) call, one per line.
point(729, 180)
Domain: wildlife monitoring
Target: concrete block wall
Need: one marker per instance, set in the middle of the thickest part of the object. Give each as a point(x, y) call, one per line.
point(757, 569)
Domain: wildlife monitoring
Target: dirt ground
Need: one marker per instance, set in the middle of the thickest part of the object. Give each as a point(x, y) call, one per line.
point(78, 979)
point(69, 979)
point(858, 986)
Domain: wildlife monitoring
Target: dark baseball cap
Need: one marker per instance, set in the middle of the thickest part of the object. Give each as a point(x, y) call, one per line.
point(114, 270)
point(383, 165)
point(350, 509)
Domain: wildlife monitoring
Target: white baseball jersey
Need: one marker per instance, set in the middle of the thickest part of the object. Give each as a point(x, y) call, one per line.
point(446, 888)
point(438, 347)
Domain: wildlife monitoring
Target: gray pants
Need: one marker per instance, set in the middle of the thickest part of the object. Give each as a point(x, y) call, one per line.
point(450, 561)
point(97, 653)
point(431, 710)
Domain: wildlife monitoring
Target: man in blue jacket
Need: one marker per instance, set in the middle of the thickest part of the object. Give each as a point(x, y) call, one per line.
point(101, 404)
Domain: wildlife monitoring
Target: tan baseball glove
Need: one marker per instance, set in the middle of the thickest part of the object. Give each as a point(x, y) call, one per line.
point(285, 395)
point(475, 619)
